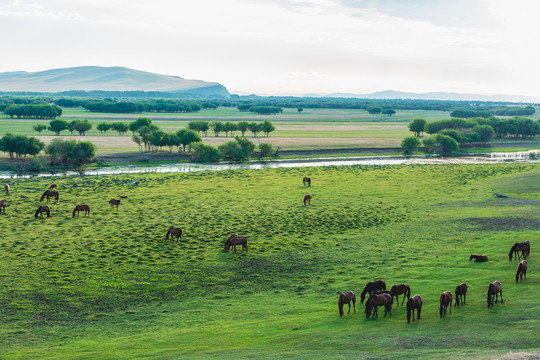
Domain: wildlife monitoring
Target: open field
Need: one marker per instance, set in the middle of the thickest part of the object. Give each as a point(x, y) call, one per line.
point(110, 286)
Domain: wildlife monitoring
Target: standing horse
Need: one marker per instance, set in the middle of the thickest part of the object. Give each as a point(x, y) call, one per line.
point(3, 204)
point(49, 194)
point(524, 247)
point(307, 181)
point(84, 207)
point(43, 209)
point(6, 188)
point(522, 270)
point(234, 240)
point(371, 287)
point(461, 294)
point(414, 302)
point(376, 300)
point(401, 289)
point(493, 292)
point(446, 301)
point(53, 186)
point(307, 200)
point(528, 243)
point(346, 298)
point(478, 258)
point(174, 231)
point(114, 202)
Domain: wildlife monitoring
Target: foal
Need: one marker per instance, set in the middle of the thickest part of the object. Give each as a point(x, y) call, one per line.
point(478, 258)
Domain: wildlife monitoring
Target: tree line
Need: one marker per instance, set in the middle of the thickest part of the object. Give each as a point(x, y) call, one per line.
point(31, 111)
point(154, 105)
point(218, 127)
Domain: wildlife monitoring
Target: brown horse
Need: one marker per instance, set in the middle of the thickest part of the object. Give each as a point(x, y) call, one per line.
point(174, 231)
point(346, 298)
point(376, 300)
point(493, 292)
point(524, 247)
point(3, 204)
point(446, 301)
point(53, 186)
point(372, 287)
point(401, 289)
point(43, 209)
point(234, 240)
point(522, 270)
point(307, 200)
point(6, 188)
point(461, 294)
point(307, 181)
point(84, 207)
point(414, 302)
point(478, 258)
point(49, 194)
point(114, 202)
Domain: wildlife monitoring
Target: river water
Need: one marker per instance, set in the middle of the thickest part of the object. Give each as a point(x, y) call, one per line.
point(522, 156)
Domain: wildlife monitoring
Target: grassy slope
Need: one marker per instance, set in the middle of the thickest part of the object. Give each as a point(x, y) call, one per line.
point(110, 286)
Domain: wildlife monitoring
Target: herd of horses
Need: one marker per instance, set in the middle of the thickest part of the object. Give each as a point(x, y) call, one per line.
point(379, 296)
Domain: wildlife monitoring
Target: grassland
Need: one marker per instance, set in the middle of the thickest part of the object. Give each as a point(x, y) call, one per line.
point(110, 286)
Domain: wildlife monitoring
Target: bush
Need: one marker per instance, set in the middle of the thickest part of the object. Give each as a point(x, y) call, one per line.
point(430, 143)
point(266, 149)
point(19, 146)
point(70, 152)
point(410, 144)
point(238, 150)
point(447, 145)
point(205, 153)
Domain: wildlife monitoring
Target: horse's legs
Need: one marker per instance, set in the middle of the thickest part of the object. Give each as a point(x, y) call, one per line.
point(501, 297)
point(349, 309)
point(402, 301)
point(354, 305)
point(450, 306)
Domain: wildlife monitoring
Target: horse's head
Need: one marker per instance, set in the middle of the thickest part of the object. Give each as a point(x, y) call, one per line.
point(471, 257)
point(227, 245)
point(368, 311)
point(510, 255)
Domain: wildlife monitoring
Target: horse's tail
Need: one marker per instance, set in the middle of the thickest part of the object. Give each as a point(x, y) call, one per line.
point(39, 208)
point(168, 232)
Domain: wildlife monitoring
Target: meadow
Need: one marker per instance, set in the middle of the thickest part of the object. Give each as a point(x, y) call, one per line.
point(109, 286)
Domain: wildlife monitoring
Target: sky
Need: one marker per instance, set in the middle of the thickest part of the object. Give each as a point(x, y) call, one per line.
point(281, 47)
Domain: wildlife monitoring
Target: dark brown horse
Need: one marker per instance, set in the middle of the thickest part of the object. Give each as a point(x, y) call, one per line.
point(414, 302)
point(523, 247)
point(346, 298)
point(371, 287)
point(445, 301)
point(307, 181)
point(3, 204)
point(478, 258)
point(376, 300)
point(6, 188)
point(522, 270)
point(307, 200)
point(174, 231)
point(493, 292)
point(114, 202)
point(50, 194)
point(83, 207)
point(401, 289)
point(461, 294)
point(43, 209)
point(234, 240)
point(53, 186)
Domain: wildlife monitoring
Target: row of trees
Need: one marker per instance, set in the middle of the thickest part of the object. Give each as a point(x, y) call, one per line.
point(260, 109)
point(218, 127)
point(240, 149)
point(33, 111)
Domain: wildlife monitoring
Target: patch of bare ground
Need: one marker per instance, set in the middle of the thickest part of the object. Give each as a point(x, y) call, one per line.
point(503, 223)
point(520, 355)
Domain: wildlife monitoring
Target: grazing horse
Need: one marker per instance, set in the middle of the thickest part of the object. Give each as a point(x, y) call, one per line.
point(174, 231)
point(401, 289)
point(524, 247)
point(493, 292)
point(307, 200)
point(49, 194)
point(114, 202)
point(6, 188)
point(234, 240)
point(376, 300)
point(528, 243)
point(522, 270)
point(307, 181)
point(446, 301)
point(346, 298)
point(84, 207)
point(414, 302)
point(43, 209)
point(371, 287)
point(461, 294)
point(53, 186)
point(3, 204)
point(478, 258)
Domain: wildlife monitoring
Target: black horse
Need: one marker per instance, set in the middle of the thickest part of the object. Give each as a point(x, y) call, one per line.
point(524, 248)
point(371, 287)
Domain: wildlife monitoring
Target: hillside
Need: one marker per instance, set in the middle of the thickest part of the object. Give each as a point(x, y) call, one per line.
point(90, 78)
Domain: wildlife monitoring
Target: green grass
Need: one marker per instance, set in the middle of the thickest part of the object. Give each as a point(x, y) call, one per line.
point(110, 286)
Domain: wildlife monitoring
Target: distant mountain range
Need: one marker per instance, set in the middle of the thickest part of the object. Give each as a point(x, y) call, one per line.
point(391, 94)
point(89, 78)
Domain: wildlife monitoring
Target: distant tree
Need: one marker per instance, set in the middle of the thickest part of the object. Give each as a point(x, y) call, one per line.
point(242, 127)
point(417, 126)
point(389, 112)
point(139, 123)
point(374, 110)
point(255, 128)
point(82, 126)
point(58, 126)
point(229, 127)
point(266, 149)
point(217, 127)
point(121, 127)
point(39, 128)
point(19, 146)
point(267, 127)
point(483, 133)
point(410, 144)
point(71, 151)
point(187, 137)
point(245, 107)
point(103, 127)
point(300, 110)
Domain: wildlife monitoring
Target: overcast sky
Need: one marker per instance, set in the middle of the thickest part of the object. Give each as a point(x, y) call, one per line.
point(288, 46)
